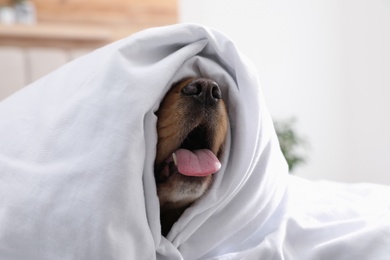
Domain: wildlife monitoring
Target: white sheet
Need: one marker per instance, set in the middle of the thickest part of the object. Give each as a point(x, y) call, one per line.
point(76, 167)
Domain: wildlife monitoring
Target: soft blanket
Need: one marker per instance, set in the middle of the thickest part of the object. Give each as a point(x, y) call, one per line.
point(76, 166)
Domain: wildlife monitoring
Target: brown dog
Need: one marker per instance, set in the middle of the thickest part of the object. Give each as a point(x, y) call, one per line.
point(192, 126)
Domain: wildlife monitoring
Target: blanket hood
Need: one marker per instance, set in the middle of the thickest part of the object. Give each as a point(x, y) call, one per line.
point(77, 162)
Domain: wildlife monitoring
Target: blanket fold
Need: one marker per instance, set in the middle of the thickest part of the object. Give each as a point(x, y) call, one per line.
point(76, 166)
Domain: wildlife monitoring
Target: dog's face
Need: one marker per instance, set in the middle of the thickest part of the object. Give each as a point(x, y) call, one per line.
point(192, 126)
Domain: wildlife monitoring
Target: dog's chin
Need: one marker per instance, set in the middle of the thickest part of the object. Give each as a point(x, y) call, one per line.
point(180, 191)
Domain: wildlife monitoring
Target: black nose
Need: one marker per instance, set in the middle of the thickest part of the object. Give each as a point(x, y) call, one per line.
point(205, 91)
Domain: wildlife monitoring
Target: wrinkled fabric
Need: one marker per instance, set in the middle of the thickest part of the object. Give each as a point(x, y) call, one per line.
point(76, 166)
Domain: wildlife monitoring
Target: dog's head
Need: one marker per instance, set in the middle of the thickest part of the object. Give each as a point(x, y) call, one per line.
point(192, 126)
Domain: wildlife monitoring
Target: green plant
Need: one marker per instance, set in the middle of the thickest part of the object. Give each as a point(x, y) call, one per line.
point(290, 142)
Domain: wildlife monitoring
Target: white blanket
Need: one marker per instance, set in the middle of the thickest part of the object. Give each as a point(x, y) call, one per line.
point(76, 167)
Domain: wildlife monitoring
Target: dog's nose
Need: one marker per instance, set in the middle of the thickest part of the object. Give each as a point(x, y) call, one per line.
point(203, 90)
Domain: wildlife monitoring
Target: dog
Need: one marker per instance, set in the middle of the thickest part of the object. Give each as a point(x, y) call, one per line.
point(192, 126)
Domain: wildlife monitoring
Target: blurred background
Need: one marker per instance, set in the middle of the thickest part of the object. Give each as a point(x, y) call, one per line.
point(324, 65)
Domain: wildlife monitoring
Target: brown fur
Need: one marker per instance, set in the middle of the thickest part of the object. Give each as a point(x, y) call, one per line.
point(178, 115)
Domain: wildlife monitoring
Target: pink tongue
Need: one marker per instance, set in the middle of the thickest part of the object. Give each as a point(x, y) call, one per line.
point(201, 162)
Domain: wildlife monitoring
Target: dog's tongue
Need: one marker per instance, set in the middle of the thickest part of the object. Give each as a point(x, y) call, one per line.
point(201, 162)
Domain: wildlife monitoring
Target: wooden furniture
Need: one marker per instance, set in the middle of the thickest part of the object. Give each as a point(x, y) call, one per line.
point(55, 35)
point(67, 29)
point(85, 23)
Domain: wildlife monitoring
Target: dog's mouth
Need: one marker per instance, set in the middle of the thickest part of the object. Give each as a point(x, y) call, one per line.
point(193, 157)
